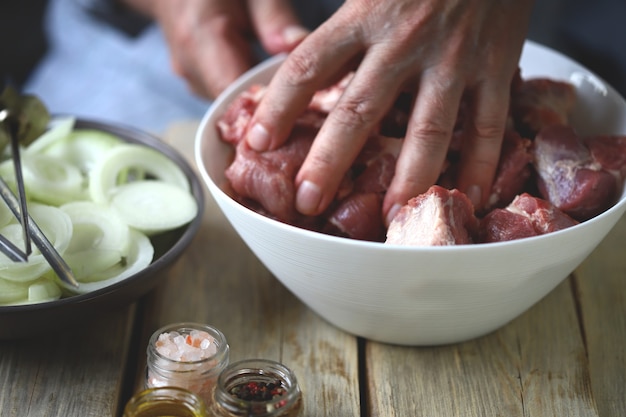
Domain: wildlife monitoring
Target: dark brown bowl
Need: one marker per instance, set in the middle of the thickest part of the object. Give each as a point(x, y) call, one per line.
point(20, 321)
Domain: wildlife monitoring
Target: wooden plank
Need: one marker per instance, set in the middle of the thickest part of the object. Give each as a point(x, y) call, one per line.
point(534, 366)
point(219, 281)
point(325, 360)
point(601, 289)
point(73, 373)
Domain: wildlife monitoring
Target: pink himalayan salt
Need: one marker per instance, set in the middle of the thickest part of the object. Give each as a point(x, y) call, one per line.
point(195, 346)
point(187, 360)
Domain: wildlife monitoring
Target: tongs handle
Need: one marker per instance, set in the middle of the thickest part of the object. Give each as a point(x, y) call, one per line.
point(6, 246)
point(11, 118)
point(40, 240)
point(21, 193)
point(11, 251)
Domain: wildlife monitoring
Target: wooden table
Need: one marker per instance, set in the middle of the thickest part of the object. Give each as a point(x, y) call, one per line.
point(566, 356)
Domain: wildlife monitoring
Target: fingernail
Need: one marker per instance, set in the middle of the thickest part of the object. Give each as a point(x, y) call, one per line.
point(308, 198)
point(392, 213)
point(294, 34)
point(474, 194)
point(258, 138)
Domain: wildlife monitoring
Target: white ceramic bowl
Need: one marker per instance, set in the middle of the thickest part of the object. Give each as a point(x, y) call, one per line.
point(411, 295)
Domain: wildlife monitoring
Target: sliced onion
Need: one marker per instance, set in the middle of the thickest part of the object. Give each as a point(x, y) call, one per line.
point(110, 193)
point(57, 227)
point(100, 239)
point(97, 227)
point(21, 271)
point(6, 215)
point(53, 181)
point(11, 292)
point(105, 174)
point(43, 290)
point(83, 148)
point(7, 172)
point(88, 263)
point(59, 130)
point(153, 206)
point(139, 257)
point(39, 291)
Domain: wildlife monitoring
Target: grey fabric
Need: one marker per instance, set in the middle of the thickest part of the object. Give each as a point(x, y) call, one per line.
point(95, 71)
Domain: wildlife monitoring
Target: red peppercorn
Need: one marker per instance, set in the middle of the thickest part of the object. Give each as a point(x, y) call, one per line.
point(258, 391)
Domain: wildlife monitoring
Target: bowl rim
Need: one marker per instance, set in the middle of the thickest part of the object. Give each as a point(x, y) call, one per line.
point(132, 135)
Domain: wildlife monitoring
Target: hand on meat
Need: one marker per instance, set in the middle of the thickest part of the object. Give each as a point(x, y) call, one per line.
point(440, 52)
point(576, 176)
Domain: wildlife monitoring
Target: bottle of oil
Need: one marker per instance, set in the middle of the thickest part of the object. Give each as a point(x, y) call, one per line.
point(165, 401)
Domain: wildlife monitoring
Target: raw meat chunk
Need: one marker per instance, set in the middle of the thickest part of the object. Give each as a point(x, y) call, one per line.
point(359, 213)
point(512, 175)
point(569, 176)
point(375, 165)
point(268, 177)
point(514, 170)
point(540, 102)
point(526, 216)
point(325, 100)
point(358, 216)
point(438, 217)
point(233, 124)
point(610, 152)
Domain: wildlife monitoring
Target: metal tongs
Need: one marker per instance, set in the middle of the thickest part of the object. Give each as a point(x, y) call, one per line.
point(10, 124)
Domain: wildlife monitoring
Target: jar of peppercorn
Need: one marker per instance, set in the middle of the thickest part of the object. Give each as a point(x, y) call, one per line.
point(186, 355)
point(256, 387)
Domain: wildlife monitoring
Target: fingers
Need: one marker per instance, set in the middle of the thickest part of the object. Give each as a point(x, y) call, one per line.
point(208, 41)
point(202, 75)
point(391, 55)
point(364, 103)
point(428, 136)
point(277, 26)
point(306, 70)
point(483, 140)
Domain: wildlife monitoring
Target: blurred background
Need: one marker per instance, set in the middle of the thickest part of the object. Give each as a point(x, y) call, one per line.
point(96, 60)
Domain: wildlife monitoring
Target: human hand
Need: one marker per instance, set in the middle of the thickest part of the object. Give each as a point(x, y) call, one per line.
point(442, 50)
point(210, 40)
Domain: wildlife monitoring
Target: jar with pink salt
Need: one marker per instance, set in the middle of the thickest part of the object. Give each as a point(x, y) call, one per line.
point(187, 355)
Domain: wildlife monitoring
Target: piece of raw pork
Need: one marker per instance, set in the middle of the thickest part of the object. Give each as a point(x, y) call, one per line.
point(526, 216)
point(438, 217)
point(580, 177)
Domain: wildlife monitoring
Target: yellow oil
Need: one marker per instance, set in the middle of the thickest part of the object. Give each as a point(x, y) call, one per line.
point(165, 402)
point(165, 409)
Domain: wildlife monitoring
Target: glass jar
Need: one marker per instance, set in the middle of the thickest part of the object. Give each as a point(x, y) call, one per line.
point(165, 401)
point(186, 355)
point(256, 387)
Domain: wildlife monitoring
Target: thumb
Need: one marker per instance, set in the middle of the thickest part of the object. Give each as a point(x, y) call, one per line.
point(276, 24)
